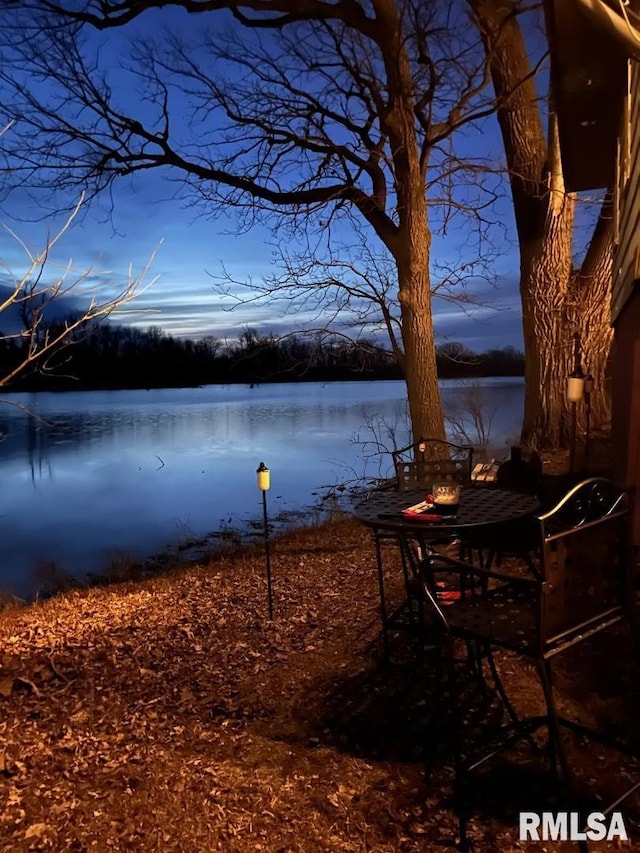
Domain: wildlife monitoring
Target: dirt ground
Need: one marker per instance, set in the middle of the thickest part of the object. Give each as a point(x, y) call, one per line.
point(172, 715)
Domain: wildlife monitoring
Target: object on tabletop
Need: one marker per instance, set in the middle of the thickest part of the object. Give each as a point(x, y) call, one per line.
point(446, 498)
point(484, 510)
point(485, 472)
point(422, 511)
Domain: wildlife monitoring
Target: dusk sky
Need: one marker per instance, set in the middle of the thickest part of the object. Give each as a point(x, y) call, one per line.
point(183, 299)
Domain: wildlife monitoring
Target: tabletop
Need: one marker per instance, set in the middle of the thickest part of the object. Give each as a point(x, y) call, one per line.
point(480, 506)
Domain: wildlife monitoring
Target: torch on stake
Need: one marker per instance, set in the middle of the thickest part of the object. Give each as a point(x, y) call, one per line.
point(264, 482)
point(575, 393)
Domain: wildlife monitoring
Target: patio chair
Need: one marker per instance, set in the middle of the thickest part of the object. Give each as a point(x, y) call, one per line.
point(582, 588)
point(419, 465)
point(517, 540)
point(430, 459)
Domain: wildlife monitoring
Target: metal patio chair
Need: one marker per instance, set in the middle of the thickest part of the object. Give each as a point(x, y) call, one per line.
point(422, 463)
point(429, 460)
point(419, 465)
point(582, 588)
point(517, 540)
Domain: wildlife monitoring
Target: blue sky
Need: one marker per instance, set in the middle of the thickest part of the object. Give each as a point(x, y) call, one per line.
point(183, 299)
point(191, 251)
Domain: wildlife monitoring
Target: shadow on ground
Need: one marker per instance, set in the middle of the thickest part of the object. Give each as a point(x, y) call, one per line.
point(399, 712)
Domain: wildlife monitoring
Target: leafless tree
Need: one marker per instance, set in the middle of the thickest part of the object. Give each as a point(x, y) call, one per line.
point(33, 291)
point(470, 418)
point(350, 289)
point(313, 111)
point(559, 297)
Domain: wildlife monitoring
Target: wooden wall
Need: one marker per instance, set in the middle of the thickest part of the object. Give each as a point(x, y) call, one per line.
point(625, 303)
point(626, 405)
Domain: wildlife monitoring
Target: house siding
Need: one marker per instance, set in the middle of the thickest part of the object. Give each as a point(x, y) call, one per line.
point(626, 406)
point(625, 303)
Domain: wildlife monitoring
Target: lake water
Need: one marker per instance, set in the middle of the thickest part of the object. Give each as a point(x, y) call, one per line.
point(89, 476)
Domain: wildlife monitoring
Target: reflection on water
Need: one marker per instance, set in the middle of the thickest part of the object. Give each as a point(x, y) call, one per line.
point(88, 474)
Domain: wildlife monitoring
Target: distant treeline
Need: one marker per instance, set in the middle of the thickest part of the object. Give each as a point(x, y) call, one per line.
point(110, 356)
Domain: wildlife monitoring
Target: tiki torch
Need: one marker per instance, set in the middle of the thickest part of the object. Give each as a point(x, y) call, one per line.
point(264, 482)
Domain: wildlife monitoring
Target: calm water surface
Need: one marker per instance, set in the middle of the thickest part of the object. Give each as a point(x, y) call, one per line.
point(90, 475)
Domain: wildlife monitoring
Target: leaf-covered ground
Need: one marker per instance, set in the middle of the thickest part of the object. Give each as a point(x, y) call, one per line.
point(172, 715)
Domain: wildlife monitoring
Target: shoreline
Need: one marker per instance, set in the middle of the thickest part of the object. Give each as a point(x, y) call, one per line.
point(247, 383)
point(232, 540)
point(227, 542)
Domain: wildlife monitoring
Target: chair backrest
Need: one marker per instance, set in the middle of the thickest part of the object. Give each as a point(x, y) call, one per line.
point(585, 561)
point(429, 460)
point(521, 475)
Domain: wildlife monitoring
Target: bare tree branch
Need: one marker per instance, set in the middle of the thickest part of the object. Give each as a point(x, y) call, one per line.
point(33, 293)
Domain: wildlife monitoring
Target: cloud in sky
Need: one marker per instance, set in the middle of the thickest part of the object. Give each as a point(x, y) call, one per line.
point(184, 300)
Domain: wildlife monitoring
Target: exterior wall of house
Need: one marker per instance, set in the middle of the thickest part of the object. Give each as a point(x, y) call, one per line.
point(625, 303)
point(626, 405)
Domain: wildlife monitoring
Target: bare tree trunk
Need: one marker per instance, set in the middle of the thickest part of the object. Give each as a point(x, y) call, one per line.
point(557, 301)
point(590, 291)
point(545, 270)
point(419, 361)
point(411, 244)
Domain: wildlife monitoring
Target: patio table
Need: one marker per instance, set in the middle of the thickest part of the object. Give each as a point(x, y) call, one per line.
point(483, 512)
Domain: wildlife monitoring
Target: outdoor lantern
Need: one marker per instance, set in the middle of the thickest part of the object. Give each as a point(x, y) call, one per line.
point(575, 393)
point(575, 383)
point(575, 387)
point(264, 481)
point(264, 477)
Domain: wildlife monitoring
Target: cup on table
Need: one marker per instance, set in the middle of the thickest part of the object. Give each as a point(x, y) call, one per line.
point(446, 497)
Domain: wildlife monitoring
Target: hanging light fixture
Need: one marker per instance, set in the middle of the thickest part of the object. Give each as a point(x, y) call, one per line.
point(576, 385)
point(575, 382)
point(575, 393)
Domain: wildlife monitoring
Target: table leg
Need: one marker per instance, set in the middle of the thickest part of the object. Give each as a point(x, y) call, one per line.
point(383, 603)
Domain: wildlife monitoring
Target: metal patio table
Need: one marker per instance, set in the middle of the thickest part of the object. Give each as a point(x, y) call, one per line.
point(483, 511)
